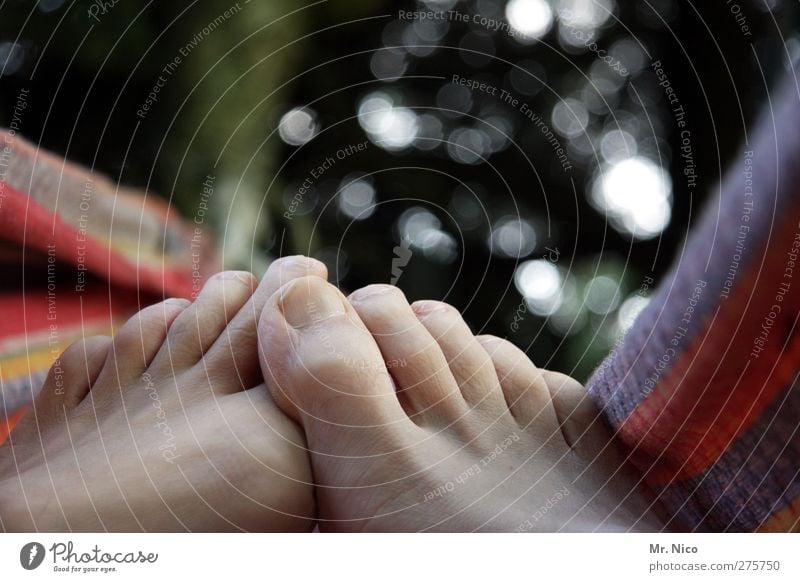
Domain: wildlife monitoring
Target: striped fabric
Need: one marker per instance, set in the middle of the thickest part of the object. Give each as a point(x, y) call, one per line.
point(78, 256)
point(703, 390)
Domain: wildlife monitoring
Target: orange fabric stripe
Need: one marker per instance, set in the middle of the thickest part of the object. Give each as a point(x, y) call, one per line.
point(7, 426)
point(786, 520)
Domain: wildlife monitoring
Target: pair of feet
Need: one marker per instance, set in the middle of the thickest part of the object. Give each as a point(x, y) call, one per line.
point(376, 415)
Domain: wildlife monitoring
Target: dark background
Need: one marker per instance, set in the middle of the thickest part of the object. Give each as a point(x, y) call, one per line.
point(448, 194)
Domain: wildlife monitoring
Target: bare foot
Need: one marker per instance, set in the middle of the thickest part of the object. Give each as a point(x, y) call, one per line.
point(165, 427)
point(415, 424)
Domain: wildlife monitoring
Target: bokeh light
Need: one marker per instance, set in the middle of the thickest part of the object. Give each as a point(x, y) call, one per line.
point(636, 194)
point(570, 117)
point(422, 230)
point(12, 57)
point(532, 19)
point(602, 295)
point(49, 5)
point(512, 237)
point(391, 127)
point(617, 145)
point(357, 198)
point(298, 126)
point(388, 64)
point(540, 283)
point(468, 145)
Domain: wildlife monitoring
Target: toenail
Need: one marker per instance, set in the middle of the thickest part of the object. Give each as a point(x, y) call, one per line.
point(304, 303)
point(177, 301)
point(373, 291)
point(242, 276)
point(423, 307)
point(301, 261)
point(491, 341)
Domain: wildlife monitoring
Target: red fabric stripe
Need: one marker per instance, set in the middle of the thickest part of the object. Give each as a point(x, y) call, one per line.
point(24, 221)
point(70, 309)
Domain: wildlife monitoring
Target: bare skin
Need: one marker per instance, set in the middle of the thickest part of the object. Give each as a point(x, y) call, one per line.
point(165, 427)
point(417, 425)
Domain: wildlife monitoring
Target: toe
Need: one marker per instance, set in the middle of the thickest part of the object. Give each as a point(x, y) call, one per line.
point(579, 418)
point(71, 377)
point(321, 363)
point(425, 385)
point(468, 361)
point(138, 341)
point(135, 346)
point(287, 269)
point(232, 362)
point(544, 401)
point(523, 385)
point(199, 325)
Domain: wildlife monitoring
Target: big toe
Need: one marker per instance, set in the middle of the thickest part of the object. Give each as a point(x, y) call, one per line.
point(323, 366)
